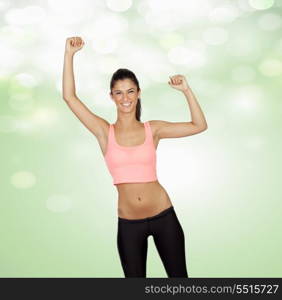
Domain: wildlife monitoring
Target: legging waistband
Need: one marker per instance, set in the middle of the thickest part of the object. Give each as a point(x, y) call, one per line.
point(159, 215)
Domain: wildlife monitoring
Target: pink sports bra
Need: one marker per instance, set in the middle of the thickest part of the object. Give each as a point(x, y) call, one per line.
point(131, 163)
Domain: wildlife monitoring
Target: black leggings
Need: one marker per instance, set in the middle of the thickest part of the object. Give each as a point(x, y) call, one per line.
point(168, 237)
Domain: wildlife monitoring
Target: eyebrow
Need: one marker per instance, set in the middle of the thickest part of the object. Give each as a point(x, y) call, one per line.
point(120, 90)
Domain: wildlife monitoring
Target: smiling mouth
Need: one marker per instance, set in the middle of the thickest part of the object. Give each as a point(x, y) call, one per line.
point(126, 104)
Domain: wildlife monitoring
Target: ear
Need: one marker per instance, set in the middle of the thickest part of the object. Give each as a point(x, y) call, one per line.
point(139, 93)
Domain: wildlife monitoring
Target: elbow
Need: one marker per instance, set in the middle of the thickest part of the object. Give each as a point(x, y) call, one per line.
point(203, 128)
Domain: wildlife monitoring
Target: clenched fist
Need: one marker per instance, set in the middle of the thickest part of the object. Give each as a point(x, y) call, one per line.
point(73, 44)
point(178, 82)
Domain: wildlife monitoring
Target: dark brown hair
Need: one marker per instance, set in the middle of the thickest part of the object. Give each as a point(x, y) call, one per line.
point(121, 74)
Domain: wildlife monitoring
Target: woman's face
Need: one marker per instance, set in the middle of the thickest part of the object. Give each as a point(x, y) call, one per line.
point(125, 94)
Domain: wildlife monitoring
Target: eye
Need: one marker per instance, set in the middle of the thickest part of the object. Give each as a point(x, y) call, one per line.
point(129, 92)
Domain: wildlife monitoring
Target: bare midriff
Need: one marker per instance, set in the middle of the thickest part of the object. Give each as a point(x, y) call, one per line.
point(141, 200)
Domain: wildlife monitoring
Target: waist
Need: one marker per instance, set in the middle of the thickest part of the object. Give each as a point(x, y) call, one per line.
point(162, 213)
point(136, 200)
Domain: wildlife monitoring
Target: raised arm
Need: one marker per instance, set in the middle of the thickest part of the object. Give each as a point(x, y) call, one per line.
point(91, 121)
point(198, 124)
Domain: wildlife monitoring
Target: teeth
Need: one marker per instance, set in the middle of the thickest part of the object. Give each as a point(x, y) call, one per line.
point(126, 104)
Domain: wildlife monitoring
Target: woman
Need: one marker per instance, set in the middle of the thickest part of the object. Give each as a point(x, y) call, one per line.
point(129, 149)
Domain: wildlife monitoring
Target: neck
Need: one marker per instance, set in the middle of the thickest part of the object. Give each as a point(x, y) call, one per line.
point(127, 121)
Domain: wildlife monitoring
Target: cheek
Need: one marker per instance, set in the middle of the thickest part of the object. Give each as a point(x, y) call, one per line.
point(118, 97)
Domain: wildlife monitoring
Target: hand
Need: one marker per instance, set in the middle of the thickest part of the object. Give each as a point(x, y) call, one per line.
point(73, 44)
point(178, 82)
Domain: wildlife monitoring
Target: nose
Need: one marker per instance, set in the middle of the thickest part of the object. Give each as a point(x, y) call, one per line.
point(125, 98)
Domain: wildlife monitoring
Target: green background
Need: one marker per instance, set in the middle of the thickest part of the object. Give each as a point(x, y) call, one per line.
point(58, 215)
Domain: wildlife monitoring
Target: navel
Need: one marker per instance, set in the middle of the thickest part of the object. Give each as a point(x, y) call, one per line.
point(139, 198)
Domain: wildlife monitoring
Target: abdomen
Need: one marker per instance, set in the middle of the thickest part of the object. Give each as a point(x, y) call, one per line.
point(141, 200)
